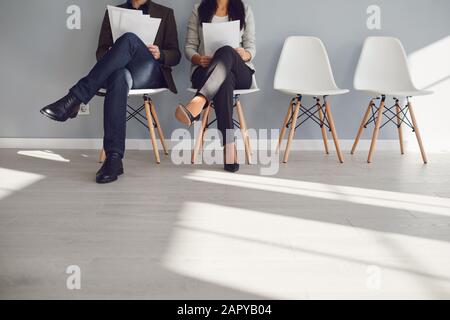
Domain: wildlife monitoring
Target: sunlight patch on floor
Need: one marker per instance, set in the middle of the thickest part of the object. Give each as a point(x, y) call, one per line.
point(12, 181)
point(45, 155)
point(364, 196)
point(290, 258)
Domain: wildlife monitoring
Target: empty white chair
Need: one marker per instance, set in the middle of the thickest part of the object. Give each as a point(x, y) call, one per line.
point(241, 122)
point(150, 120)
point(383, 70)
point(304, 70)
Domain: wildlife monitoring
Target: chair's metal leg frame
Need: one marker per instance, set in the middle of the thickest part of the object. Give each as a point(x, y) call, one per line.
point(240, 124)
point(399, 117)
point(320, 113)
point(152, 120)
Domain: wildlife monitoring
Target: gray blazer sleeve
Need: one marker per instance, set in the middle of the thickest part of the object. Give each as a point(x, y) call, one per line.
point(192, 42)
point(249, 36)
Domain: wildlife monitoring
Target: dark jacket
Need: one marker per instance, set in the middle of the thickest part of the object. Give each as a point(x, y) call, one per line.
point(166, 39)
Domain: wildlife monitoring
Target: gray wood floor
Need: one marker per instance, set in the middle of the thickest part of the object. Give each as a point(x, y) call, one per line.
point(315, 230)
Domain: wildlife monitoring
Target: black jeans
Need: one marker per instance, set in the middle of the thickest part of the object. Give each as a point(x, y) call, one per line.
point(226, 73)
point(127, 65)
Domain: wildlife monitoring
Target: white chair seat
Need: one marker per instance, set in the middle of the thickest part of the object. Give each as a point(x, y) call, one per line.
point(140, 92)
point(235, 92)
point(399, 93)
point(315, 93)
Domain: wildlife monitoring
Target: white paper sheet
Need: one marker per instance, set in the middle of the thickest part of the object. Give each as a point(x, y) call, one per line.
point(115, 14)
point(126, 20)
point(217, 35)
point(143, 26)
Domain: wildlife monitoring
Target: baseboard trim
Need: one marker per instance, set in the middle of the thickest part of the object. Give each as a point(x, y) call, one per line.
point(144, 144)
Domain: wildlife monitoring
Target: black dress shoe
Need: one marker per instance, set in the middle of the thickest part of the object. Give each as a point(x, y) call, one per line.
point(111, 170)
point(63, 109)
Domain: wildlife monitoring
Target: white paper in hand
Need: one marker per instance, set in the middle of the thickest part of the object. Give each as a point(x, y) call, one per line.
point(144, 27)
point(115, 14)
point(218, 35)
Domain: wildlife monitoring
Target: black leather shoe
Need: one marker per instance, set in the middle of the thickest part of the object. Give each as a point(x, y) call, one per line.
point(111, 170)
point(63, 109)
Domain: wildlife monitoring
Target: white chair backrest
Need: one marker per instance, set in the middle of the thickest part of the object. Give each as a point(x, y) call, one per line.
point(304, 65)
point(383, 66)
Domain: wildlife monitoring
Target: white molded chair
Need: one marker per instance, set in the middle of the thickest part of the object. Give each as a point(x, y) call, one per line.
point(383, 70)
point(150, 120)
point(304, 70)
point(241, 122)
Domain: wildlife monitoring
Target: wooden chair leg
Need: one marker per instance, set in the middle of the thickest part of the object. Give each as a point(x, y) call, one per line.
point(152, 130)
point(361, 127)
point(292, 131)
point(333, 130)
point(400, 131)
point(102, 156)
point(202, 147)
point(201, 134)
point(249, 144)
point(159, 128)
point(376, 131)
point(248, 156)
point(324, 130)
point(285, 123)
point(417, 132)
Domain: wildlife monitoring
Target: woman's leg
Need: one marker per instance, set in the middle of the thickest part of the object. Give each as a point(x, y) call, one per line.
point(224, 108)
point(209, 80)
point(226, 61)
point(217, 83)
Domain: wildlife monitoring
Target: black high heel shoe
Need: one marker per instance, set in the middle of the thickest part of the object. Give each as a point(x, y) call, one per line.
point(185, 116)
point(234, 167)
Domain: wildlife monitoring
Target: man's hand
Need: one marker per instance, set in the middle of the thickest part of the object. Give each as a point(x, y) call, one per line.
point(155, 51)
point(203, 61)
point(245, 55)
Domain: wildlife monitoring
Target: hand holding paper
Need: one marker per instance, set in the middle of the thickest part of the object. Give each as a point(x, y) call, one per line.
point(155, 51)
point(218, 35)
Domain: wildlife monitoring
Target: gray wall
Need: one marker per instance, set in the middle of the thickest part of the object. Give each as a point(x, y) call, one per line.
point(40, 58)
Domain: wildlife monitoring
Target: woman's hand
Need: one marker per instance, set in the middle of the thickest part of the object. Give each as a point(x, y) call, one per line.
point(155, 51)
point(245, 55)
point(203, 61)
